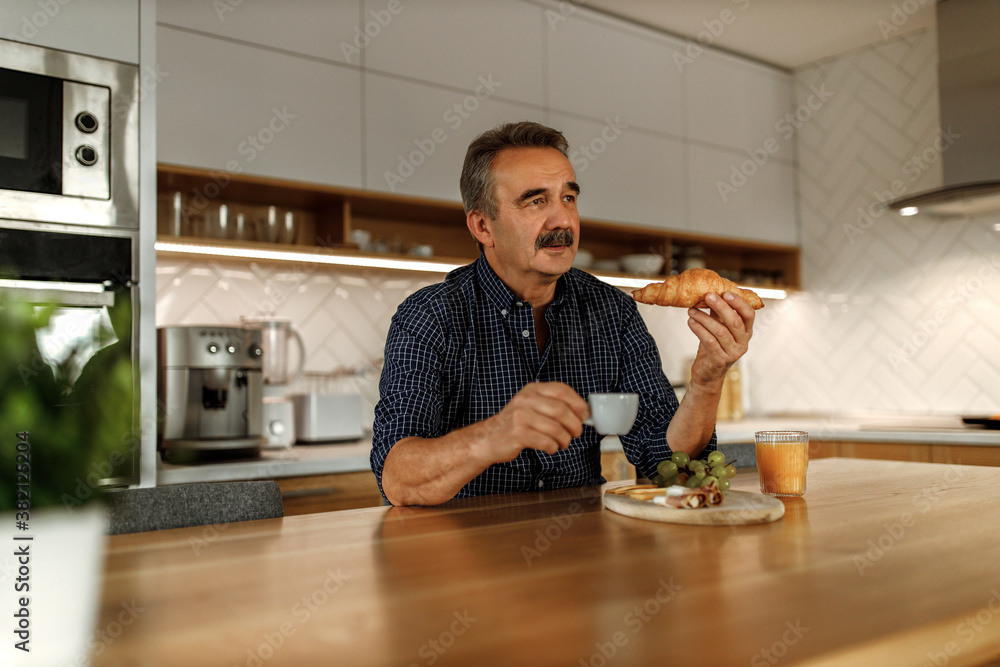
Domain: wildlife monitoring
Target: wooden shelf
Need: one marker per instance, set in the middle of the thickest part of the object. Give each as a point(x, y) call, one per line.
point(327, 215)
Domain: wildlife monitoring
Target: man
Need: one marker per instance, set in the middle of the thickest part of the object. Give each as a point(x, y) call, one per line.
point(485, 374)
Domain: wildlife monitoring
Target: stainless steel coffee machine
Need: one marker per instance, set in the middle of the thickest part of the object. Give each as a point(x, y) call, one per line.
point(210, 387)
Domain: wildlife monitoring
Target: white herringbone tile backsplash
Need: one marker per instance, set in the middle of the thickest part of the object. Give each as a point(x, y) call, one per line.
point(899, 314)
point(895, 314)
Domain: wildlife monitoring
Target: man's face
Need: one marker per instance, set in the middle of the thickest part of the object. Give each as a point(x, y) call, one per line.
point(537, 229)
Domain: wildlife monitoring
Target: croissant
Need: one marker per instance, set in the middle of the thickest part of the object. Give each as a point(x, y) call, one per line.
point(688, 290)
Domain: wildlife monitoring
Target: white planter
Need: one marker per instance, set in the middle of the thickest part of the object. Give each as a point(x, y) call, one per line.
point(59, 578)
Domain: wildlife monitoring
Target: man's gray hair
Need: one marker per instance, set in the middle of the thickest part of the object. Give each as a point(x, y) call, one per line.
point(477, 183)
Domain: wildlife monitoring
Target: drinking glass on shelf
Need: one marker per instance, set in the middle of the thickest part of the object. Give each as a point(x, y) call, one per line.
point(277, 225)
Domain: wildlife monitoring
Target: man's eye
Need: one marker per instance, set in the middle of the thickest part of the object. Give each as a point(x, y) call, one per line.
point(538, 201)
point(569, 198)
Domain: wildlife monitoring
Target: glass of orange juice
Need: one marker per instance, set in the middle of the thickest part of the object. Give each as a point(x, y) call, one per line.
point(782, 459)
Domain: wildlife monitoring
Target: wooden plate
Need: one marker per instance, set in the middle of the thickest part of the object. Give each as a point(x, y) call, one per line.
point(740, 508)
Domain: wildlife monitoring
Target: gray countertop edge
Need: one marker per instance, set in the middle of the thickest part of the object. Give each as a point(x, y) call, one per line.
point(309, 460)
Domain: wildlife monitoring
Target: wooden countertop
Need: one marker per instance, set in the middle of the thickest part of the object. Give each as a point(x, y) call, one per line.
point(880, 563)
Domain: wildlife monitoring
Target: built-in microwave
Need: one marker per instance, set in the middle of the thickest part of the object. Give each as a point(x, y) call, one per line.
point(68, 133)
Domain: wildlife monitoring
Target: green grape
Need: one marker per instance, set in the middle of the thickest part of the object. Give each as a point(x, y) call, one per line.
point(710, 480)
point(659, 480)
point(716, 458)
point(696, 465)
point(700, 473)
point(723, 484)
point(666, 468)
point(717, 471)
point(669, 481)
point(730, 470)
point(680, 458)
point(693, 482)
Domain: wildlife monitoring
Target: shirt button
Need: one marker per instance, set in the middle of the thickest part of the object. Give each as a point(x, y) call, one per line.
point(520, 303)
point(503, 312)
point(525, 333)
point(540, 484)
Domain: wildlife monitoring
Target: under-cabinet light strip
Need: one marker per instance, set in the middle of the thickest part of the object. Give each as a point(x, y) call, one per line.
point(380, 263)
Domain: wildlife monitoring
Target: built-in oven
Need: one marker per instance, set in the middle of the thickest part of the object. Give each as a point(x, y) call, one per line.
point(86, 350)
point(68, 138)
point(69, 232)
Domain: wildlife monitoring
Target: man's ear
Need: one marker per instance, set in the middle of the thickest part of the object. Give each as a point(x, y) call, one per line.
point(480, 227)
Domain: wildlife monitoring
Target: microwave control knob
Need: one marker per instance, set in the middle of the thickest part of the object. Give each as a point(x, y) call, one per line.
point(231, 348)
point(86, 155)
point(213, 348)
point(276, 427)
point(86, 122)
point(255, 351)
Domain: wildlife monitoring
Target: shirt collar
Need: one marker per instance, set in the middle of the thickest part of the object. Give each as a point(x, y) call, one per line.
point(500, 295)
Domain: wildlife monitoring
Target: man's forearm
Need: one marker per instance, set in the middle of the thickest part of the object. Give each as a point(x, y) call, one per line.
point(430, 471)
point(694, 422)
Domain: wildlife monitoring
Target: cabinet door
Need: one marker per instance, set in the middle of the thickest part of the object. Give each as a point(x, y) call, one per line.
point(92, 27)
point(738, 104)
point(603, 70)
point(626, 175)
point(242, 109)
point(417, 134)
point(453, 43)
point(733, 195)
point(322, 29)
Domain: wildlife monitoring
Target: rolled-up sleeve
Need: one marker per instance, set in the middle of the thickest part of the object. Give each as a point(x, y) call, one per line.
point(410, 389)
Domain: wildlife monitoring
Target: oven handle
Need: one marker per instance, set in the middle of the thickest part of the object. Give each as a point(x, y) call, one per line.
point(93, 295)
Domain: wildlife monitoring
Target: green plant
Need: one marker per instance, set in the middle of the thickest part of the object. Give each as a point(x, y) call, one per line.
point(77, 435)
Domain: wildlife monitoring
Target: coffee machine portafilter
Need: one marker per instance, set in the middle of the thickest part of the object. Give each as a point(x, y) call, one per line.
point(210, 388)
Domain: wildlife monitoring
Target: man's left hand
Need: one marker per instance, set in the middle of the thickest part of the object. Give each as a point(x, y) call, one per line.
point(724, 334)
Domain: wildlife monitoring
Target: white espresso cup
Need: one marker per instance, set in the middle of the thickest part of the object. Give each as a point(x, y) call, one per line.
point(612, 413)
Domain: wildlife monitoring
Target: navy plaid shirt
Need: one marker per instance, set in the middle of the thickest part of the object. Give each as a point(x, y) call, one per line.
point(458, 351)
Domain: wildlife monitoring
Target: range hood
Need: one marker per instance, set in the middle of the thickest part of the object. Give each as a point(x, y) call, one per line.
point(969, 89)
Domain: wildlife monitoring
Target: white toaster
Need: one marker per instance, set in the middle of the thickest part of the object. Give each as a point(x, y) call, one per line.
point(327, 417)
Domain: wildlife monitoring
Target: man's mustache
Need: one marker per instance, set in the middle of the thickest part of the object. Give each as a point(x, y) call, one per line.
point(557, 237)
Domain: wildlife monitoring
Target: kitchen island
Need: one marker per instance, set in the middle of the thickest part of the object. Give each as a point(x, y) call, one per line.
point(880, 563)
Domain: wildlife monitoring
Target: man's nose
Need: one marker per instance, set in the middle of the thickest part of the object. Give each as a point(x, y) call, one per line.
point(562, 216)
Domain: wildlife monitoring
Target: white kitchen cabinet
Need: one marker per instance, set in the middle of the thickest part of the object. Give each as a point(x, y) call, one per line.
point(417, 134)
point(734, 197)
point(739, 104)
point(455, 43)
point(599, 70)
point(322, 29)
point(626, 175)
point(242, 109)
point(102, 28)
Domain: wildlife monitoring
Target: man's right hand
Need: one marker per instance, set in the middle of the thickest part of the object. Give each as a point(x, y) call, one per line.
point(543, 416)
point(427, 471)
